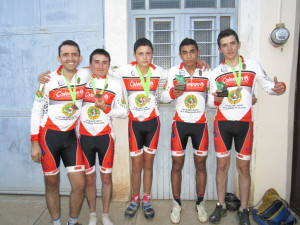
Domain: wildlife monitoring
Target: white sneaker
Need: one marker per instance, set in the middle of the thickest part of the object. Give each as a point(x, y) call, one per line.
point(106, 220)
point(175, 214)
point(202, 215)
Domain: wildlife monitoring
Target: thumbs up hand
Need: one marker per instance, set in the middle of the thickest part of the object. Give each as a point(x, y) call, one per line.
point(279, 87)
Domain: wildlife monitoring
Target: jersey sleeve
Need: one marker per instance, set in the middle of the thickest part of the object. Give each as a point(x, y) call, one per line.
point(167, 95)
point(115, 72)
point(264, 81)
point(119, 104)
point(38, 110)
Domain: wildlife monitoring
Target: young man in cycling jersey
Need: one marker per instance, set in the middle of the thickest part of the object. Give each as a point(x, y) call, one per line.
point(234, 118)
point(54, 115)
point(189, 121)
point(102, 100)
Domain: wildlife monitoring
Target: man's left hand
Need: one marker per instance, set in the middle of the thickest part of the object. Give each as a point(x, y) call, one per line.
point(279, 87)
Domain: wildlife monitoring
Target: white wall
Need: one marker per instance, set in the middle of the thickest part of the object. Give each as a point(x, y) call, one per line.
point(273, 116)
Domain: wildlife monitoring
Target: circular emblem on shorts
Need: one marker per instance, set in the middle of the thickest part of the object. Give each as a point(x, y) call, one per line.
point(234, 97)
point(140, 100)
point(68, 110)
point(190, 101)
point(93, 112)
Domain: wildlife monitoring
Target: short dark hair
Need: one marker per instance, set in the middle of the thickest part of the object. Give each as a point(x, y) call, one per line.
point(226, 33)
point(188, 41)
point(142, 42)
point(68, 42)
point(99, 51)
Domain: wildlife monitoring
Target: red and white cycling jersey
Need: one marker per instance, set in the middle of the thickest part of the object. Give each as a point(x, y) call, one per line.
point(190, 107)
point(94, 121)
point(237, 106)
point(52, 107)
point(139, 108)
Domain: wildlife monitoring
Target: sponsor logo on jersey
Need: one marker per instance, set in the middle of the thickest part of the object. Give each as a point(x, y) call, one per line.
point(181, 72)
point(77, 167)
point(61, 82)
point(194, 84)
point(240, 156)
point(230, 81)
point(234, 97)
point(132, 73)
point(190, 101)
point(139, 84)
point(140, 100)
point(68, 110)
point(40, 93)
point(90, 84)
point(66, 93)
point(93, 112)
point(224, 69)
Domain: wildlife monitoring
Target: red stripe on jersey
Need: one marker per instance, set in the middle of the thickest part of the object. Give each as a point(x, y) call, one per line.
point(63, 94)
point(219, 115)
point(229, 80)
point(152, 115)
point(135, 84)
point(195, 84)
point(50, 125)
point(202, 119)
point(151, 65)
point(177, 118)
point(248, 116)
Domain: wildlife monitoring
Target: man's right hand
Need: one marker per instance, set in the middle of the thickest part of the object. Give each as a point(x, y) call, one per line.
point(36, 151)
point(217, 99)
point(177, 93)
point(44, 77)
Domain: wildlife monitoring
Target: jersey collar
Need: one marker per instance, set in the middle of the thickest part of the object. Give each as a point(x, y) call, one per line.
point(181, 66)
point(151, 65)
point(240, 56)
point(59, 70)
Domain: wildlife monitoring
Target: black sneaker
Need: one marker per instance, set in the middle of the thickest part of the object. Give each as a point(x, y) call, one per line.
point(219, 212)
point(243, 217)
point(131, 209)
point(148, 210)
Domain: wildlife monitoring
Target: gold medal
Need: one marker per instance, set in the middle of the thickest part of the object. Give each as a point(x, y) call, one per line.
point(74, 107)
point(78, 80)
point(244, 66)
point(147, 99)
point(200, 73)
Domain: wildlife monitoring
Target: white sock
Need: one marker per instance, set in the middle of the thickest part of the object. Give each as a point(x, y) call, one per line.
point(93, 219)
point(56, 222)
point(72, 221)
point(106, 220)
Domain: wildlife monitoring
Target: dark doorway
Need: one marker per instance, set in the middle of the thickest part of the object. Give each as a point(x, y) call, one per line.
point(295, 190)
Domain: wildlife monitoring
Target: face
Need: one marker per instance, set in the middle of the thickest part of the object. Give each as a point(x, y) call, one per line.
point(99, 65)
point(229, 47)
point(143, 56)
point(69, 57)
point(189, 55)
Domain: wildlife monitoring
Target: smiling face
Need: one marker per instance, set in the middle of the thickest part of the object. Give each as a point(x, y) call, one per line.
point(189, 55)
point(99, 65)
point(69, 57)
point(229, 46)
point(143, 56)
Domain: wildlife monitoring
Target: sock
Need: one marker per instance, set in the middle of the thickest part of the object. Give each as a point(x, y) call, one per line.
point(136, 198)
point(177, 199)
point(146, 198)
point(223, 205)
point(93, 219)
point(105, 219)
point(72, 221)
point(199, 198)
point(57, 221)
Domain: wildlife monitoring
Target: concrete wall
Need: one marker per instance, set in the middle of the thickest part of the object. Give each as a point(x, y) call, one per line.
point(273, 116)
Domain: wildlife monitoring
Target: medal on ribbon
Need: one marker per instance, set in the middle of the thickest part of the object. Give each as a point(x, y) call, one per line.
point(238, 79)
point(146, 85)
point(72, 92)
point(99, 95)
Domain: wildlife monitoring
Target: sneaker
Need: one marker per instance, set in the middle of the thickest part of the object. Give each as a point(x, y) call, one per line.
point(106, 220)
point(219, 212)
point(202, 215)
point(131, 209)
point(148, 210)
point(243, 217)
point(175, 214)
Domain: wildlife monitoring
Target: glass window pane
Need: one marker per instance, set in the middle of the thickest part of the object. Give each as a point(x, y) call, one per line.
point(227, 3)
point(162, 44)
point(140, 28)
point(202, 36)
point(200, 3)
point(224, 24)
point(137, 4)
point(164, 4)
